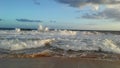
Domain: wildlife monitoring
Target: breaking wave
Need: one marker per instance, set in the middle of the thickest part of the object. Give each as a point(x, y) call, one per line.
point(14, 40)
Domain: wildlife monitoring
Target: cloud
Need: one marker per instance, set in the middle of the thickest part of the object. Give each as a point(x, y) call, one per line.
point(93, 3)
point(52, 21)
point(109, 13)
point(27, 20)
point(92, 16)
point(78, 3)
point(36, 2)
point(0, 19)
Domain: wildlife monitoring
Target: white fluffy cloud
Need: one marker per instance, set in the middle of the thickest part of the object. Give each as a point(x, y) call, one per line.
point(77, 3)
point(109, 13)
point(93, 3)
point(112, 10)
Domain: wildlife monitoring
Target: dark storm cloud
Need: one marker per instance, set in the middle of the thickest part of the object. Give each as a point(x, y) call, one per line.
point(79, 3)
point(27, 20)
point(109, 13)
point(37, 2)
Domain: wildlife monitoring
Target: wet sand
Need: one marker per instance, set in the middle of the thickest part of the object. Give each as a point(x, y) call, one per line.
point(52, 62)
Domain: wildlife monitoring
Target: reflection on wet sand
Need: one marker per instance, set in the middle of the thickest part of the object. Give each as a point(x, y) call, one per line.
point(50, 62)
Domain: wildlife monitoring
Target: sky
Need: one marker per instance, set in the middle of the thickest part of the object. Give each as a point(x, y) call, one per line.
point(61, 14)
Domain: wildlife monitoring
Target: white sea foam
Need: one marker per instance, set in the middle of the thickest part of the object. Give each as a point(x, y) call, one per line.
point(109, 45)
point(74, 40)
point(65, 32)
point(18, 44)
point(17, 29)
point(41, 28)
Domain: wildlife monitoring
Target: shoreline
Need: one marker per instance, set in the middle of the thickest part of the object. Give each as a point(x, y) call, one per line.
point(93, 56)
point(52, 62)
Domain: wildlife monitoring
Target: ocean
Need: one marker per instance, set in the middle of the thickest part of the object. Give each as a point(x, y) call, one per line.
point(58, 42)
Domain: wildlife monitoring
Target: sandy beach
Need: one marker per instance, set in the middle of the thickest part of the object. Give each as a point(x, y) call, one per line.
point(52, 62)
